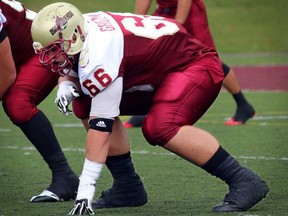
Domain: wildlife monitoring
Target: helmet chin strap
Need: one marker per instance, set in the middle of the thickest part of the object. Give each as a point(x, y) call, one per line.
point(63, 63)
point(66, 66)
point(69, 60)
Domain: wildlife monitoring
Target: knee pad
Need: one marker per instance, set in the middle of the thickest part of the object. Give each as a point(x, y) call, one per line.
point(158, 132)
point(19, 107)
point(225, 69)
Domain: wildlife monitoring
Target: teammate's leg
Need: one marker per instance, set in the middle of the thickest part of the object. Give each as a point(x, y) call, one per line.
point(33, 84)
point(171, 117)
point(244, 110)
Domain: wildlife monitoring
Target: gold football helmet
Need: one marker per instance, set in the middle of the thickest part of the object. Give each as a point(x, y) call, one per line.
point(58, 31)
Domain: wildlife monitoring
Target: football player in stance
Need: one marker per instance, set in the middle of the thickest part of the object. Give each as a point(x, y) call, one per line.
point(32, 85)
point(192, 15)
point(150, 62)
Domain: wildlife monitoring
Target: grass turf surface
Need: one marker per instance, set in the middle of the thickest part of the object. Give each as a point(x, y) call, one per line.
point(174, 186)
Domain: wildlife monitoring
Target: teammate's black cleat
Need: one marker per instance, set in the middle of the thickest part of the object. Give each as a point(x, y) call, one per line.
point(62, 188)
point(243, 113)
point(245, 192)
point(120, 197)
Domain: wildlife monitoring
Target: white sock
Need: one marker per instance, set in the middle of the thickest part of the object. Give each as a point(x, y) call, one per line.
point(90, 174)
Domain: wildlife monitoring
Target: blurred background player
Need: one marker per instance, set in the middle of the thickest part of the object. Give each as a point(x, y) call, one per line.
point(32, 85)
point(192, 15)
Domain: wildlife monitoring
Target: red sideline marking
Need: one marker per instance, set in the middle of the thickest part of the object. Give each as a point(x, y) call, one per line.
point(268, 78)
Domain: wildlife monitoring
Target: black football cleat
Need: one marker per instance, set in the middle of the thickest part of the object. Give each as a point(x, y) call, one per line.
point(45, 196)
point(243, 194)
point(118, 197)
point(62, 188)
point(243, 113)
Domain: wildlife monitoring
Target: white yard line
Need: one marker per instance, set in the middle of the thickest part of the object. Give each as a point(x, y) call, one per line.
point(143, 152)
point(257, 119)
point(278, 117)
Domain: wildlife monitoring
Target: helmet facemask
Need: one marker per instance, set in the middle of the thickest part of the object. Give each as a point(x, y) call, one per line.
point(55, 56)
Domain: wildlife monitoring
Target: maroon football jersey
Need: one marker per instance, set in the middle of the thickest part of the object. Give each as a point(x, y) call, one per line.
point(196, 22)
point(148, 60)
point(19, 21)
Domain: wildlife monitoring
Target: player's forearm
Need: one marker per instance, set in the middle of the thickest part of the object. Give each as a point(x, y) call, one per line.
point(71, 79)
point(7, 67)
point(183, 8)
point(142, 6)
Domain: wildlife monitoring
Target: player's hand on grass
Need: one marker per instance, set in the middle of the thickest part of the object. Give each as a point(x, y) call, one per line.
point(81, 207)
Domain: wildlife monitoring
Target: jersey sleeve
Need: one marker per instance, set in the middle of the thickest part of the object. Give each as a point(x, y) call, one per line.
point(101, 57)
point(106, 104)
point(19, 20)
point(3, 33)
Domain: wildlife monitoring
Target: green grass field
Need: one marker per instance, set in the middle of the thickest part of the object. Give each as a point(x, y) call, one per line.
point(174, 186)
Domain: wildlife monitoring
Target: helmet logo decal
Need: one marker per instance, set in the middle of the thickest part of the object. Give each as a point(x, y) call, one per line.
point(84, 58)
point(61, 22)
